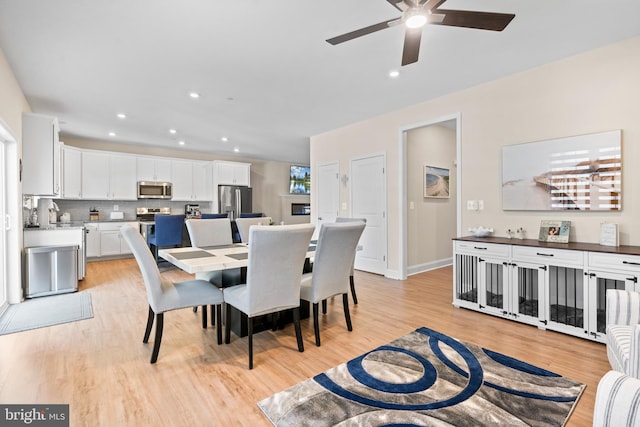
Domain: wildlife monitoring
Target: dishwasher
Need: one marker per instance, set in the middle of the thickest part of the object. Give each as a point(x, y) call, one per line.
point(50, 270)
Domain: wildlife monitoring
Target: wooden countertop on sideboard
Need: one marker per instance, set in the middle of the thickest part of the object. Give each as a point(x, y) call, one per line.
point(575, 246)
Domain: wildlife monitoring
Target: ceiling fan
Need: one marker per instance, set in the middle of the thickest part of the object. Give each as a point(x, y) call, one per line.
point(417, 13)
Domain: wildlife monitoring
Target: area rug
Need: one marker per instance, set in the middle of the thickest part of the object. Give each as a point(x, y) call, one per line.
point(46, 311)
point(426, 378)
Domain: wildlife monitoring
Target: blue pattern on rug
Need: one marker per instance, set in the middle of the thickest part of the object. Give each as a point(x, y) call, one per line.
point(423, 377)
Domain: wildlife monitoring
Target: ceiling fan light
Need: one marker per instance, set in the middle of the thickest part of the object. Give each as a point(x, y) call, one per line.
point(416, 21)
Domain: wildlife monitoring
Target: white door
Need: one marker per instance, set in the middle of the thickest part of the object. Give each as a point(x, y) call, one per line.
point(369, 200)
point(327, 186)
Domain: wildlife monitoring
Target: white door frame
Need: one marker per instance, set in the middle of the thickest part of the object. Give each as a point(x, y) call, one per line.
point(402, 179)
point(385, 220)
point(11, 222)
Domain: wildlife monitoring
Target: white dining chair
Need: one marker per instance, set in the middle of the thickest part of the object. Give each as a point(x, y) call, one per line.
point(244, 224)
point(164, 295)
point(332, 263)
point(274, 272)
point(351, 281)
point(212, 232)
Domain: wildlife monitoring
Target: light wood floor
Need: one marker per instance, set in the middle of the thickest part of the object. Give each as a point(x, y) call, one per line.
point(101, 367)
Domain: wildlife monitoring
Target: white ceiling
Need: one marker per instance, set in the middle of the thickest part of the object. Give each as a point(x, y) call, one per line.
point(267, 78)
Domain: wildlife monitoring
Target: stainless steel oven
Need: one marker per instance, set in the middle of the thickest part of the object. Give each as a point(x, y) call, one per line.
point(154, 190)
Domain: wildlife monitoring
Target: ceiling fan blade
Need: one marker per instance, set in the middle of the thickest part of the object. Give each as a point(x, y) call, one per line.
point(430, 4)
point(471, 19)
point(411, 48)
point(363, 31)
point(396, 4)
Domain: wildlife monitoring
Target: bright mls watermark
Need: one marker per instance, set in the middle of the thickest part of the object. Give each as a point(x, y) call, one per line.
point(34, 415)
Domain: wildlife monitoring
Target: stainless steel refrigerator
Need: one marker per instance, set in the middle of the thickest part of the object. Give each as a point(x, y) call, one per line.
point(234, 200)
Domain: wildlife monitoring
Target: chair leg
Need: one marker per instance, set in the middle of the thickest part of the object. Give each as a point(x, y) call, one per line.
point(227, 326)
point(195, 309)
point(219, 321)
point(316, 325)
point(353, 290)
point(147, 332)
point(324, 306)
point(158, 340)
point(296, 321)
point(250, 334)
point(204, 317)
point(347, 317)
point(213, 318)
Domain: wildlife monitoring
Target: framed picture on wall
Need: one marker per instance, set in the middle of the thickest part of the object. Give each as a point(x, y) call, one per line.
point(435, 182)
point(554, 231)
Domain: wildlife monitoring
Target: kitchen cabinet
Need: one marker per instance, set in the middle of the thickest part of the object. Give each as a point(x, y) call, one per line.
point(108, 176)
point(190, 180)
point(231, 173)
point(543, 284)
point(227, 173)
point(40, 155)
point(93, 240)
point(71, 173)
point(104, 239)
point(153, 169)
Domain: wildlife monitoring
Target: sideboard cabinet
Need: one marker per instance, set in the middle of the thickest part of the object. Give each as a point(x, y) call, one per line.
point(560, 287)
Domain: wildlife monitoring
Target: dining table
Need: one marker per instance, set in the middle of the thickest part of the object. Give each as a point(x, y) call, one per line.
point(227, 258)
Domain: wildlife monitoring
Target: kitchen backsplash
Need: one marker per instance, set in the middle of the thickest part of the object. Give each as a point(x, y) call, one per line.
point(79, 209)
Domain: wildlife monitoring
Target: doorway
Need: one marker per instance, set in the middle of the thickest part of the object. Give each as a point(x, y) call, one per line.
point(9, 214)
point(428, 223)
point(328, 193)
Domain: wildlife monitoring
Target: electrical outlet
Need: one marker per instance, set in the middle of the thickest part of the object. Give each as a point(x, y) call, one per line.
point(472, 205)
point(412, 206)
point(480, 205)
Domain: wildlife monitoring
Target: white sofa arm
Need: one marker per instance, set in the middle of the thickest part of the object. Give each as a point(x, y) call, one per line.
point(617, 397)
point(623, 307)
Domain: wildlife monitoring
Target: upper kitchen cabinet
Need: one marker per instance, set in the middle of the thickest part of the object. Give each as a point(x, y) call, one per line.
point(71, 173)
point(231, 173)
point(40, 155)
point(190, 180)
point(108, 176)
point(153, 169)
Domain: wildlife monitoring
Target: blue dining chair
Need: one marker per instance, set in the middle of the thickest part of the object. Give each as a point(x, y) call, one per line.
point(168, 232)
point(251, 215)
point(214, 216)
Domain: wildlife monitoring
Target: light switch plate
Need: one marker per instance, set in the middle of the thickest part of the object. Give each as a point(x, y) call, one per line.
point(472, 205)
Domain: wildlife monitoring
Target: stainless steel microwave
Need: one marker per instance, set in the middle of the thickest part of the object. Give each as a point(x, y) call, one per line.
point(154, 190)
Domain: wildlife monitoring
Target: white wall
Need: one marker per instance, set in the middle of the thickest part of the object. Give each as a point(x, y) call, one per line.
point(592, 92)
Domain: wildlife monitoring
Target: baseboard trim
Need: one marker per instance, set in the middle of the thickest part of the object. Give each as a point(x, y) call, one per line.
point(421, 268)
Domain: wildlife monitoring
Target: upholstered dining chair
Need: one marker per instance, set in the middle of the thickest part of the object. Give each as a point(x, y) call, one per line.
point(164, 295)
point(214, 215)
point(332, 263)
point(244, 224)
point(276, 256)
point(351, 281)
point(168, 232)
point(211, 232)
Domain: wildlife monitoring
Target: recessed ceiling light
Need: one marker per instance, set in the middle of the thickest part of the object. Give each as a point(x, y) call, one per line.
point(172, 131)
point(112, 134)
point(194, 95)
point(121, 115)
point(394, 73)
point(236, 150)
point(224, 139)
point(181, 142)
